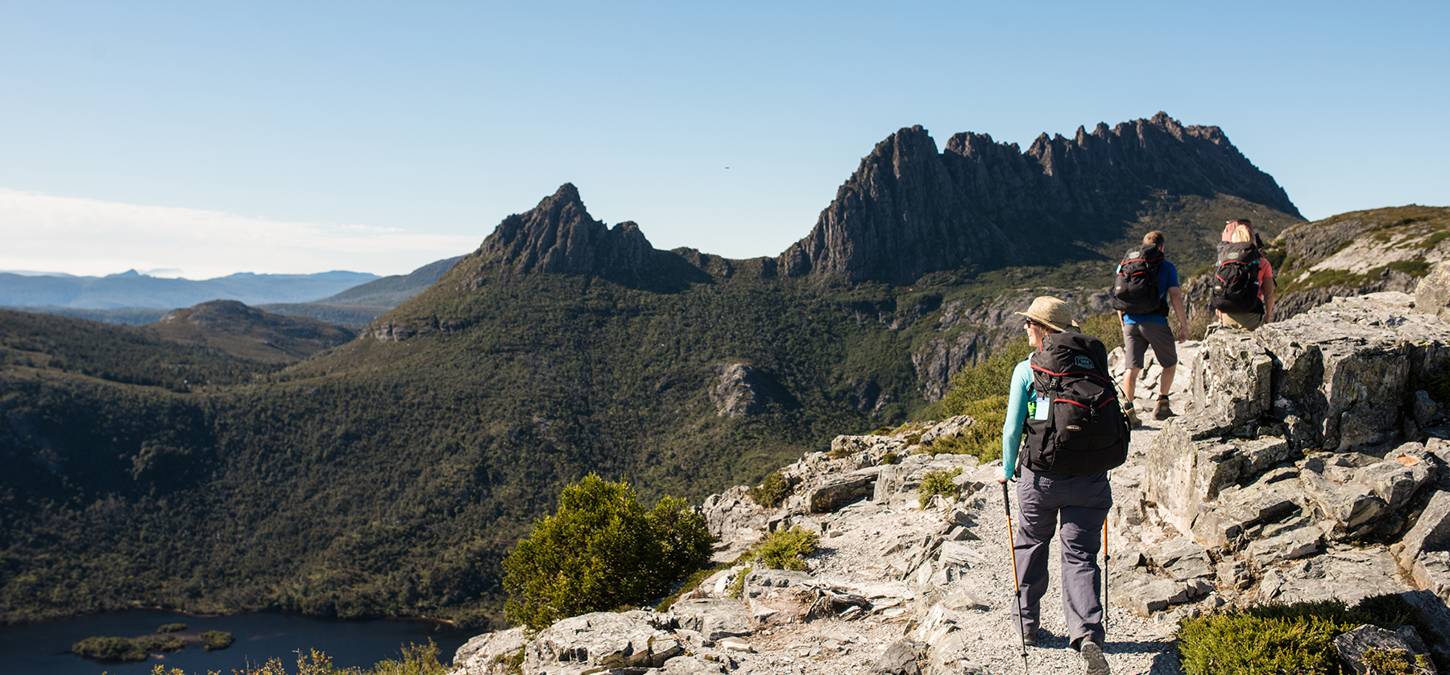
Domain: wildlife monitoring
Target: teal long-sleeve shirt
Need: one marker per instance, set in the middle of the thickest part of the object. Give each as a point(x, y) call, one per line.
point(1017, 399)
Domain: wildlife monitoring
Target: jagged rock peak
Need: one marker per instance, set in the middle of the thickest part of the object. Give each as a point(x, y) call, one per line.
point(909, 209)
point(558, 235)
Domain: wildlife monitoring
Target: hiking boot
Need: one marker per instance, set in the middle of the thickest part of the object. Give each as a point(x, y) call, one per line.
point(1092, 656)
point(1162, 411)
point(1132, 416)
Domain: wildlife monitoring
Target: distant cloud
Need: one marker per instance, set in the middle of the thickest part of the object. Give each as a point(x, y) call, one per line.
point(90, 236)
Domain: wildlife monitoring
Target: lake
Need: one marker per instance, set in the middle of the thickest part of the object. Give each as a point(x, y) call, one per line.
point(44, 648)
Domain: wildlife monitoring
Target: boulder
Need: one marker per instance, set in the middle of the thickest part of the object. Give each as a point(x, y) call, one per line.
point(1348, 575)
point(1432, 295)
point(713, 619)
point(1431, 572)
point(1348, 365)
point(633, 639)
point(1236, 513)
point(1431, 531)
point(1289, 541)
point(1185, 473)
point(903, 657)
point(1354, 647)
point(733, 514)
point(1146, 594)
point(742, 390)
point(838, 492)
point(1181, 559)
point(496, 653)
point(1363, 496)
point(1232, 379)
point(950, 427)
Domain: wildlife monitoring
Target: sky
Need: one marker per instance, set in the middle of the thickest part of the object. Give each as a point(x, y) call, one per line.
point(209, 138)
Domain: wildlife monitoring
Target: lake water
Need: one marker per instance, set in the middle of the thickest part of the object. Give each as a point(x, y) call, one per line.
point(44, 648)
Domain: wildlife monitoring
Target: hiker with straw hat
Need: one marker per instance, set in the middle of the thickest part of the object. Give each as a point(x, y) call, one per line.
point(1065, 405)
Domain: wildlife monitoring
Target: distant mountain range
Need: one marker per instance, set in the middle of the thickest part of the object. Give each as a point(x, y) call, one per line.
point(359, 305)
point(388, 475)
point(132, 289)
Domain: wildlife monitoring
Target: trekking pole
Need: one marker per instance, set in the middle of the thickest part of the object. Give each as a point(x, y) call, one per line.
point(1106, 558)
point(1016, 587)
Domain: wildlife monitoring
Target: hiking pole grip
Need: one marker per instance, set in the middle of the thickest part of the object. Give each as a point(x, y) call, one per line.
point(1016, 587)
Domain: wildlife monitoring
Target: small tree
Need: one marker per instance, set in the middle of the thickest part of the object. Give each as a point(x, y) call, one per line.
point(601, 550)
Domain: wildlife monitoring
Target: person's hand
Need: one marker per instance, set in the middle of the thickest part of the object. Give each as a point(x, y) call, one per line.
point(1001, 480)
point(1182, 333)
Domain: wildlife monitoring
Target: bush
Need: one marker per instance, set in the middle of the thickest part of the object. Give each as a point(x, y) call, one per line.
point(938, 483)
point(109, 648)
point(890, 457)
point(737, 585)
point(772, 490)
point(171, 628)
point(216, 639)
point(786, 549)
point(601, 550)
point(1295, 638)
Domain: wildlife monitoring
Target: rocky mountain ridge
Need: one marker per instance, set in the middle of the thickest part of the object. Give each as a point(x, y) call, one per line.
point(1311, 461)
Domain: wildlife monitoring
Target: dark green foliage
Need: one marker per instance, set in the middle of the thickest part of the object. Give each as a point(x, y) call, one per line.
point(890, 457)
point(599, 551)
point(216, 639)
point(786, 549)
point(737, 585)
point(171, 628)
point(773, 490)
point(1269, 639)
point(416, 660)
point(109, 648)
point(938, 483)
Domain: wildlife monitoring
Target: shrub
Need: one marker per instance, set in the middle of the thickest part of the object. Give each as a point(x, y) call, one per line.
point(890, 457)
point(983, 439)
point(171, 628)
point(158, 643)
point(601, 550)
point(216, 639)
point(1295, 638)
point(772, 490)
point(786, 549)
point(737, 585)
point(938, 483)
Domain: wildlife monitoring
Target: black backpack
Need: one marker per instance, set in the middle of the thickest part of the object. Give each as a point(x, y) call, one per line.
point(1236, 279)
point(1135, 290)
point(1085, 431)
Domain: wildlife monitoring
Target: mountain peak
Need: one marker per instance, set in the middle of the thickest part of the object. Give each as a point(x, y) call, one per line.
point(909, 209)
point(558, 235)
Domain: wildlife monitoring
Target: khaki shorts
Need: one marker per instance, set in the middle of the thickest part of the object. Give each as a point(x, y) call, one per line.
point(1243, 320)
point(1137, 337)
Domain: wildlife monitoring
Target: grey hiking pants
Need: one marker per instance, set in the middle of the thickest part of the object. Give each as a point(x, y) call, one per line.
point(1083, 503)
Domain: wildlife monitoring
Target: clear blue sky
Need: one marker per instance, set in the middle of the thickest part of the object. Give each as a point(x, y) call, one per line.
point(441, 118)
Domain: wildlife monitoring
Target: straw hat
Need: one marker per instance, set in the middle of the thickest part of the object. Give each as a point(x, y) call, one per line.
point(1050, 312)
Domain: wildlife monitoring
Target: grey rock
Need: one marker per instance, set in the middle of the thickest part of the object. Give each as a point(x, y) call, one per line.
point(1181, 559)
point(1426, 409)
point(903, 657)
point(1353, 645)
point(741, 390)
point(1232, 380)
point(939, 358)
point(1183, 474)
point(1146, 595)
point(1348, 575)
point(491, 653)
point(1431, 531)
point(1224, 522)
point(1432, 295)
point(1366, 497)
point(637, 638)
point(1347, 365)
point(713, 619)
point(1431, 572)
point(839, 492)
point(1288, 544)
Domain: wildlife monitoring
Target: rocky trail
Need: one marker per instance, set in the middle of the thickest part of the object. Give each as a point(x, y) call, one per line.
point(1307, 462)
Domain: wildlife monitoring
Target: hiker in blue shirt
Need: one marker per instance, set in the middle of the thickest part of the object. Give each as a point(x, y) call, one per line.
point(1145, 319)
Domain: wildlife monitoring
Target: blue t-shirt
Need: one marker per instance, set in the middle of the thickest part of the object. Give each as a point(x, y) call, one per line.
point(1167, 278)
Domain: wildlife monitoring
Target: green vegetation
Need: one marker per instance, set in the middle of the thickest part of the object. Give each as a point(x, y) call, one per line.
point(772, 490)
point(890, 457)
point(1295, 638)
point(938, 483)
point(737, 585)
point(786, 549)
point(601, 550)
point(167, 638)
point(213, 640)
point(109, 648)
point(416, 660)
